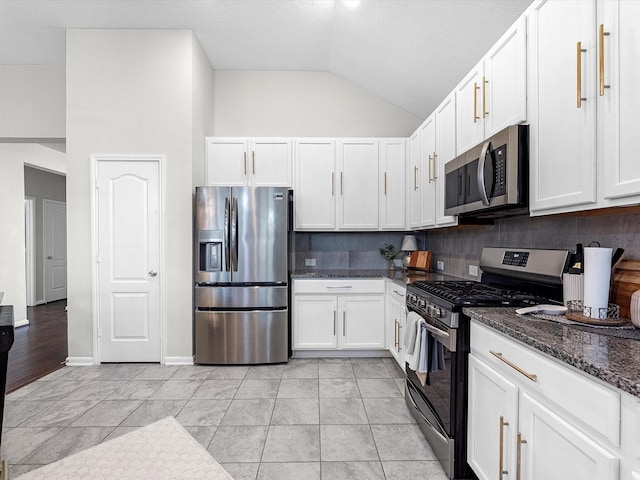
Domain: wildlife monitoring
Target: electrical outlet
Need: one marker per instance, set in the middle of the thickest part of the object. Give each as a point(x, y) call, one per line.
point(439, 265)
point(473, 270)
point(309, 262)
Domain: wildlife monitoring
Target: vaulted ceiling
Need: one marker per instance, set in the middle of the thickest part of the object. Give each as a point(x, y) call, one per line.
point(409, 52)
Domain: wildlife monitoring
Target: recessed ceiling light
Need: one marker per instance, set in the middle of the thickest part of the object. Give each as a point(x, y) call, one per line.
point(351, 3)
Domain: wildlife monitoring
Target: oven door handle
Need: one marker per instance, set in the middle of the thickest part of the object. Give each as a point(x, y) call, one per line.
point(444, 338)
point(481, 186)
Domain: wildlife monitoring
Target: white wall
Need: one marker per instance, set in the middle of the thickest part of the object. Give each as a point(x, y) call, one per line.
point(13, 157)
point(131, 92)
point(203, 107)
point(32, 101)
point(314, 104)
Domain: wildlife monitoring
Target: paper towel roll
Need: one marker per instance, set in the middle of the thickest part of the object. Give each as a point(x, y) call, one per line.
point(597, 277)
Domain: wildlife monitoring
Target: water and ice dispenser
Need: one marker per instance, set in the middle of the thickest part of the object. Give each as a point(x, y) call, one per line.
point(210, 253)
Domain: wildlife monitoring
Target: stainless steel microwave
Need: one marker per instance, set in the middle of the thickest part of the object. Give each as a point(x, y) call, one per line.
point(492, 179)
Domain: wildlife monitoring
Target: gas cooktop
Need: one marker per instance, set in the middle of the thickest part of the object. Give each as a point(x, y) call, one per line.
point(477, 294)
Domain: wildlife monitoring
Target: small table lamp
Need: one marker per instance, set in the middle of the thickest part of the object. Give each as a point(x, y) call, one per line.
point(409, 244)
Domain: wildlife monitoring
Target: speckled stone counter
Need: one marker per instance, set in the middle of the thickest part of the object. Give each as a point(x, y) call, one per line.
point(399, 276)
point(611, 359)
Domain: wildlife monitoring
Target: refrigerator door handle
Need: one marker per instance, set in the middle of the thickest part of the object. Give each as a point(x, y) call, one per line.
point(234, 234)
point(227, 239)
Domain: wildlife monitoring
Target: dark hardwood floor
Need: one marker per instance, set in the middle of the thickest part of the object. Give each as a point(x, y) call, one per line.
point(40, 347)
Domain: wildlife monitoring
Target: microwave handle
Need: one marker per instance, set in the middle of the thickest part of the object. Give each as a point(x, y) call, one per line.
point(481, 187)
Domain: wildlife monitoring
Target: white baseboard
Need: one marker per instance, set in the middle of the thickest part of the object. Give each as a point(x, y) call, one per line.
point(22, 323)
point(178, 360)
point(340, 353)
point(79, 361)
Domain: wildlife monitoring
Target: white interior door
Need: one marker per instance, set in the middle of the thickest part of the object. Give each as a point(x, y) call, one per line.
point(55, 250)
point(128, 260)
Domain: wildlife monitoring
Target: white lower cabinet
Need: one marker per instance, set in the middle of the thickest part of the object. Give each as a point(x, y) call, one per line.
point(396, 320)
point(532, 418)
point(338, 314)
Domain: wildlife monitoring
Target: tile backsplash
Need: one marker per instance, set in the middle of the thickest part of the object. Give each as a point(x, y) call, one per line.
point(459, 247)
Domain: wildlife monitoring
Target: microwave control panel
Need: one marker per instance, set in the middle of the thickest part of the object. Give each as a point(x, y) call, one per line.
point(500, 172)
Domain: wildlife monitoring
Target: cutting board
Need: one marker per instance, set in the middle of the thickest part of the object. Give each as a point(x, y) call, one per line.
point(420, 260)
point(626, 280)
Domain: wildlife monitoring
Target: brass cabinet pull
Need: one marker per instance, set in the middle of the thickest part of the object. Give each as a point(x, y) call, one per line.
point(333, 183)
point(335, 320)
point(579, 97)
point(601, 36)
point(484, 97)
point(475, 102)
point(501, 470)
point(395, 333)
point(245, 163)
point(399, 336)
point(344, 324)
point(415, 177)
point(435, 168)
point(385, 183)
point(253, 162)
point(519, 456)
point(531, 376)
point(341, 184)
point(430, 159)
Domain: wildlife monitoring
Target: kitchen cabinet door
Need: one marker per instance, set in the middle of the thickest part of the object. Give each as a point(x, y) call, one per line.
point(618, 99)
point(271, 163)
point(315, 322)
point(315, 185)
point(493, 421)
point(413, 180)
point(357, 184)
point(226, 162)
point(428, 185)
point(396, 321)
point(562, 132)
point(505, 81)
point(469, 121)
point(362, 321)
point(392, 187)
point(445, 151)
point(553, 449)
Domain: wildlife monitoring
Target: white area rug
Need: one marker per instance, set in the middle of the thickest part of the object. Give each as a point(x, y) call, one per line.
point(163, 450)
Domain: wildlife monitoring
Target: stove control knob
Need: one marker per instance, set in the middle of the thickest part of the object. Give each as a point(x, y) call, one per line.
point(421, 303)
point(427, 310)
point(437, 312)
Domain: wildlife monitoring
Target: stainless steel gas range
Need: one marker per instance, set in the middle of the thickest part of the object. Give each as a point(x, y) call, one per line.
point(436, 388)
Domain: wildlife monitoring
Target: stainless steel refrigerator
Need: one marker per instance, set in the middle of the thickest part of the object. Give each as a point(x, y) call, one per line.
point(241, 274)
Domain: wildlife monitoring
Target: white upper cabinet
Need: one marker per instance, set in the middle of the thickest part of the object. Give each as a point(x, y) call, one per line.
point(427, 184)
point(618, 94)
point(315, 186)
point(445, 151)
point(392, 183)
point(493, 95)
point(258, 162)
point(357, 184)
point(562, 106)
point(413, 180)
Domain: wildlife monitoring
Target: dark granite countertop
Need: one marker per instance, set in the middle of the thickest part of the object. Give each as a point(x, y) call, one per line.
point(399, 275)
point(612, 359)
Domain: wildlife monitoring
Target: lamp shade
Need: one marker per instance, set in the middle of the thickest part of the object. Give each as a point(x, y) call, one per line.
point(409, 243)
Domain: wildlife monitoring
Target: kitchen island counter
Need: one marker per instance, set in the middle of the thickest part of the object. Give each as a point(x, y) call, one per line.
point(598, 351)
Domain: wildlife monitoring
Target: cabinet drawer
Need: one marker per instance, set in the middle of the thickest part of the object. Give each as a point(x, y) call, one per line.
point(596, 405)
point(338, 286)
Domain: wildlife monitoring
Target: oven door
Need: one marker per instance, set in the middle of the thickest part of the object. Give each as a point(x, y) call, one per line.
point(431, 403)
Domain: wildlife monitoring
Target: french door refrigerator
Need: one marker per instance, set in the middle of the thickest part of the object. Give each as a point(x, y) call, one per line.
point(241, 274)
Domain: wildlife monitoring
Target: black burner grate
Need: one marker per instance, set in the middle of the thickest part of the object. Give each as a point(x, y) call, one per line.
point(476, 293)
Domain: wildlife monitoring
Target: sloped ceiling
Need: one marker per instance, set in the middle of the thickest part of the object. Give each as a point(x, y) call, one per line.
point(409, 52)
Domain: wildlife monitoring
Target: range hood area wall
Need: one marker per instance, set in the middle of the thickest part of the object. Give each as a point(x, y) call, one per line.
point(461, 247)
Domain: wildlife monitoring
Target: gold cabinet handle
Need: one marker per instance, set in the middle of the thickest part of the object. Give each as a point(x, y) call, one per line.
point(245, 163)
point(333, 183)
point(253, 162)
point(484, 97)
point(475, 102)
point(341, 184)
point(519, 456)
point(415, 177)
point(430, 160)
point(601, 36)
point(399, 336)
point(579, 97)
point(385, 183)
point(335, 320)
point(531, 376)
point(501, 470)
point(435, 166)
point(344, 324)
point(395, 333)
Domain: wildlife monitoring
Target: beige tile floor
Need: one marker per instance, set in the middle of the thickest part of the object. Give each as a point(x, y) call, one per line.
point(329, 419)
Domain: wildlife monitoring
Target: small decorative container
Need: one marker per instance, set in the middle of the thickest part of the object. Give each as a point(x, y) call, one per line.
point(634, 308)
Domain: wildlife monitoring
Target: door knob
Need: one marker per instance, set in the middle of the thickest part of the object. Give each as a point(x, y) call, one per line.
point(153, 273)
point(49, 257)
